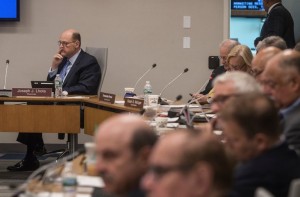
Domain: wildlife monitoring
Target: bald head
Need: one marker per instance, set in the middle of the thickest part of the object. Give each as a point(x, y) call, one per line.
point(281, 78)
point(74, 34)
point(260, 60)
point(123, 144)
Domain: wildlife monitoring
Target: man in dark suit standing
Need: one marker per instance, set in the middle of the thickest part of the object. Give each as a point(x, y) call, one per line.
point(279, 22)
point(80, 73)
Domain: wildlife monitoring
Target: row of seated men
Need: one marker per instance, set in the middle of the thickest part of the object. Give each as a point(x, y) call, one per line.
point(261, 131)
point(257, 102)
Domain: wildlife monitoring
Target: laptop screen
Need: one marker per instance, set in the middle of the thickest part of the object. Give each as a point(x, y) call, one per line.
point(43, 84)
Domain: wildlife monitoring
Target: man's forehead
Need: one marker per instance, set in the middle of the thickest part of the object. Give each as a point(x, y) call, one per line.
point(224, 88)
point(169, 148)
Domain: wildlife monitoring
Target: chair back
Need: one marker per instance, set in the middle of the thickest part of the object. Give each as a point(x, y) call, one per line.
point(294, 188)
point(262, 192)
point(101, 55)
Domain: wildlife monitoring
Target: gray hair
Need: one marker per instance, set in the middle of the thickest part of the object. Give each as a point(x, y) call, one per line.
point(229, 44)
point(243, 82)
point(274, 41)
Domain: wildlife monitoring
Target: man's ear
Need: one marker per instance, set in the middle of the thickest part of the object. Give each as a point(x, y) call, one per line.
point(295, 83)
point(261, 142)
point(203, 178)
point(143, 155)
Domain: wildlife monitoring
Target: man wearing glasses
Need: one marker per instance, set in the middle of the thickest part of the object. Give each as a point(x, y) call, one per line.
point(230, 84)
point(224, 49)
point(251, 128)
point(281, 81)
point(188, 163)
point(81, 75)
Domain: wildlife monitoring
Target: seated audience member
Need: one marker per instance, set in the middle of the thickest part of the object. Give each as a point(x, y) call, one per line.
point(274, 41)
point(231, 84)
point(81, 74)
point(123, 145)
point(260, 60)
point(281, 80)
point(187, 163)
point(239, 59)
point(251, 128)
point(297, 47)
point(224, 49)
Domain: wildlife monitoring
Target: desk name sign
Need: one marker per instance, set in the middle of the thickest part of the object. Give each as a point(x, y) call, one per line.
point(106, 97)
point(134, 103)
point(34, 92)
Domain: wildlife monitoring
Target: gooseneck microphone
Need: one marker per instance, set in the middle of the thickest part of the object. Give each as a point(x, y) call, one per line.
point(7, 63)
point(153, 66)
point(184, 71)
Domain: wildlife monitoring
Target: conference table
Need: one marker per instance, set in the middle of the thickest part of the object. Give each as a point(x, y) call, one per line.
point(56, 115)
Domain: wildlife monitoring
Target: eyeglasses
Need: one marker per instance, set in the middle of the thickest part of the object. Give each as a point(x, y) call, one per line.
point(256, 72)
point(159, 171)
point(64, 43)
point(223, 58)
point(221, 99)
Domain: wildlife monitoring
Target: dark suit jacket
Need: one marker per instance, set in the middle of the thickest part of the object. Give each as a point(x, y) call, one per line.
point(273, 170)
point(219, 70)
point(279, 22)
point(291, 127)
point(84, 76)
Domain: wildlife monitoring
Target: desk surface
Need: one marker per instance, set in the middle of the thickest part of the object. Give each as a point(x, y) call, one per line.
point(40, 116)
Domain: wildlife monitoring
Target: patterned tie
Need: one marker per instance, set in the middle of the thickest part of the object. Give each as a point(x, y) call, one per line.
point(63, 73)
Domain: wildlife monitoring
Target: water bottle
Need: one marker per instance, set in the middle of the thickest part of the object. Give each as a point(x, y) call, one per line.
point(69, 181)
point(58, 86)
point(147, 91)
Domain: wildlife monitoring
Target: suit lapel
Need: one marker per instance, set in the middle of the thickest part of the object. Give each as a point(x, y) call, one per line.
point(74, 68)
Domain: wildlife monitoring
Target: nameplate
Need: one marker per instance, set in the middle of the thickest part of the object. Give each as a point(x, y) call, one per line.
point(38, 92)
point(106, 97)
point(135, 103)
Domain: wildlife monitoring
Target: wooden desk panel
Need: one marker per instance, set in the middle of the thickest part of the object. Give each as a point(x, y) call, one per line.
point(93, 117)
point(40, 118)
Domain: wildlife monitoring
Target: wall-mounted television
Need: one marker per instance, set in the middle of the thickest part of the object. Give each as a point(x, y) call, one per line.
point(248, 8)
point(9, 10)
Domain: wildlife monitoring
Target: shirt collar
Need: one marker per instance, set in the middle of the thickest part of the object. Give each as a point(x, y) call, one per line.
point(74, 57)
point(272, 7)
point(289, 108)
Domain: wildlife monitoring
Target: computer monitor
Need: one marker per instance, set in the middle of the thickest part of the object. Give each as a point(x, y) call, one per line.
point(43, 84)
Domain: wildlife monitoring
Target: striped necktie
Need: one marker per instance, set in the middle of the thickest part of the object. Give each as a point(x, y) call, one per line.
point(63, 73)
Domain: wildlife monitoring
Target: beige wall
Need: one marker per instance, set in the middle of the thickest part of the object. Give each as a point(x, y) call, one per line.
point(137, 33)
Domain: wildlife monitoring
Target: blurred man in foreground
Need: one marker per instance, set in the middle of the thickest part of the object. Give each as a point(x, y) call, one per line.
point(188, 164)
point(123, 144)
point(251, 128)
point(231, 84)
point(281, 81)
